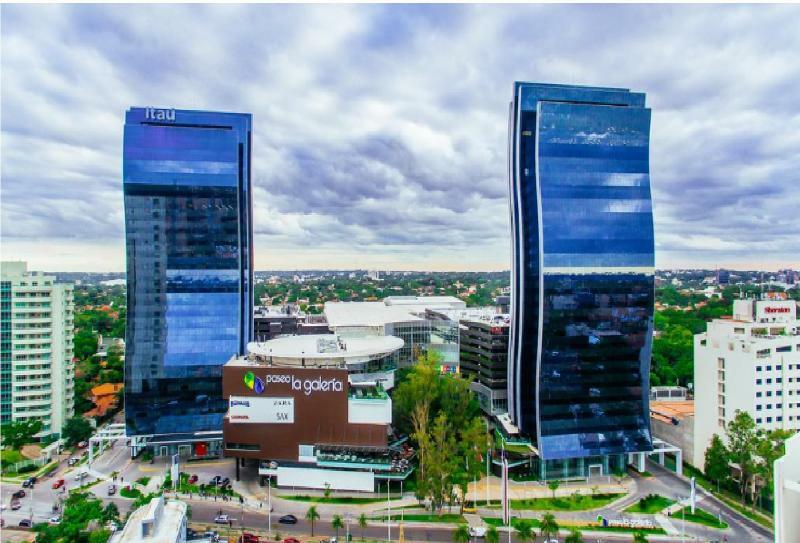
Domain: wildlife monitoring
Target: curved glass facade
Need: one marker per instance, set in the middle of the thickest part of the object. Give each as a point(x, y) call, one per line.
point(186, 178)
point(583, 269)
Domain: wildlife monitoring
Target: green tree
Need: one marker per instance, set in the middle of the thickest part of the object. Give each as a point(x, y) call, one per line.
point(337, 524)
point(548, 526)
point(770, 447)
point(311, 516)
point(461, 534)
point(742, 444)
point(575, 536)
point(111, 512)
point(492, 535)
point(77, 429)
point(524, 531)
point(716, 465)
point(639, 537)
point(362, 523)
point(17, 433)
point(99, 536)
point(553, 486)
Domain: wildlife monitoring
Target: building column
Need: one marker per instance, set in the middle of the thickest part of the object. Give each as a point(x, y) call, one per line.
point(640, 465)
point(679, 462)
point(661, 458)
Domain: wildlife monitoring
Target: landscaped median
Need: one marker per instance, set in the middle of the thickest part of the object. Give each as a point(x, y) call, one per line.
point(650, 505)
point(336, 500)
point(569, 525)
point(423, 517)
point(700, 517)
point(575, 502)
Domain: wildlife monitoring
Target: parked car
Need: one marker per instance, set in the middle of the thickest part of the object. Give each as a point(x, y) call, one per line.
point(112, 489)
point(288, 519)
point(249, 538)
point(72, 461)
point(33, 479)
point(25, 523)
point(18, 494)
point(15, 504)
point(222, 519)
point(59, 483)
point(192, 479)
point(29, 482)
point(215, 480)
point(477, 531)
point(291, 540)
point(82, 445)
point(55, 520)
point(81, 476)
point(226, 481)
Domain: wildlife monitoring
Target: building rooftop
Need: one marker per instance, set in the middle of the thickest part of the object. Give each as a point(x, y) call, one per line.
point(324, 346)
point(106, 388)
point(668, 411)
point(371, 314)
point(157, 522)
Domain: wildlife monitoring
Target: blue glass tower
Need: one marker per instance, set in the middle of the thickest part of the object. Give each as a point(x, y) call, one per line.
point(188, 211)
point(583, 269)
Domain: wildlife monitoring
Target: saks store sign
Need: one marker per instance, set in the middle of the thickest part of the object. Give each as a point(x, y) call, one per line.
point(255, 410)
point(307, 386)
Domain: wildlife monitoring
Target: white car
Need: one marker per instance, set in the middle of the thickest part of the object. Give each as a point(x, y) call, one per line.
point(55, 520)
point(477, 531)
point(221, 519)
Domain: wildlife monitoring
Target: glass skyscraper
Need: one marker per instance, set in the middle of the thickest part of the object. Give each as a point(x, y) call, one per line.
point(189, 248)
point(583, 269)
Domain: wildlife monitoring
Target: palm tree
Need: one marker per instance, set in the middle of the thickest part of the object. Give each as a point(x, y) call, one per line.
point(575, 536)
point(461, 534)
point(492, 535)
point(639, 537)
point(311, 516)
point(336, 524)
point(524, 531)
point(362, 523)
point(553, 485)
point(548, 527)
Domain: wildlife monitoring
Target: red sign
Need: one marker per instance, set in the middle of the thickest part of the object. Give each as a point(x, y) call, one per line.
point(776, 310)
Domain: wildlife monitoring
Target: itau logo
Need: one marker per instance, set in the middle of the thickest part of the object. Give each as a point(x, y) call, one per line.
point(253, 382)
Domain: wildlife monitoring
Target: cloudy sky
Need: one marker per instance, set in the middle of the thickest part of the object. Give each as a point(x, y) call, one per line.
point(380, 131)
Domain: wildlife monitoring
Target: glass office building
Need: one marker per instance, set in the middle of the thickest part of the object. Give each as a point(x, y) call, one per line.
point(188, 226)
point(583, 269)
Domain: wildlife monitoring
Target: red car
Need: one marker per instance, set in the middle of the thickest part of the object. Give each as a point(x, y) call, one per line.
point(249, 538)
point(192, 479)
point(291, 540)
point(59, 483)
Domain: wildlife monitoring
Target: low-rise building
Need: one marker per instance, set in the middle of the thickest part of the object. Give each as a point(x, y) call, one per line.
point(484, 358)
point(104, 397)
point(313, 411)
point(750, 363)
point(159, 521)
point(672, 421)
point(787, 493)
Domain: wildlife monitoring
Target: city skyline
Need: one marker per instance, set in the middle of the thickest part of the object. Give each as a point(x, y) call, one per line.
point(380, 143)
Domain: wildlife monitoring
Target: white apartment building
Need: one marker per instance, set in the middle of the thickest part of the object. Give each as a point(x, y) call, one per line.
point(750, 362)
point(787, 493)
point(38, 375)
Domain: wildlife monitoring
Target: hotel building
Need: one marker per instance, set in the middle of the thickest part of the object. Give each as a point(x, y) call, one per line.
point(751, 363)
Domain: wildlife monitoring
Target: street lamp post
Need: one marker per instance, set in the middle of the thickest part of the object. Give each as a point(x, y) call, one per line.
point(269, 504)
point(389, 510)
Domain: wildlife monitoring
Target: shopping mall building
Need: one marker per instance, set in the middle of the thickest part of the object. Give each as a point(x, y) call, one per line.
point(313, 411)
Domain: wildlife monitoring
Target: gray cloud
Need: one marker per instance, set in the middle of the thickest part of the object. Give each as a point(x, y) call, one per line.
point(380, 130)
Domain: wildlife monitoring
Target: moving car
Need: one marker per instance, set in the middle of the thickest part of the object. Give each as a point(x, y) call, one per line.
point(249, 538)
point(477, 531)
point(55, 520)
point(15, 504)
point(25, 523)
point(18, 494)
point(288, 519)
point(215, 480)
point(72, 461)
point(192, 479)
point(59, 483)
point(291, 540)
point(80, 476)
point(226, 481)
point(29, 482)
point(222, 519)
point(112, 489)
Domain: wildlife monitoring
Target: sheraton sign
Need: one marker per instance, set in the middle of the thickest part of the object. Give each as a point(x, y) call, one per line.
point(777, 310)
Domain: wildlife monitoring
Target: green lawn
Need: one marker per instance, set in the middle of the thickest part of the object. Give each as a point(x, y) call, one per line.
point(700, 517)
point(651, 505)
point(334, 499)
point(10, 456)
point(492, 521)
point(582, 502)
point(130, 493)
point(143, 481)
